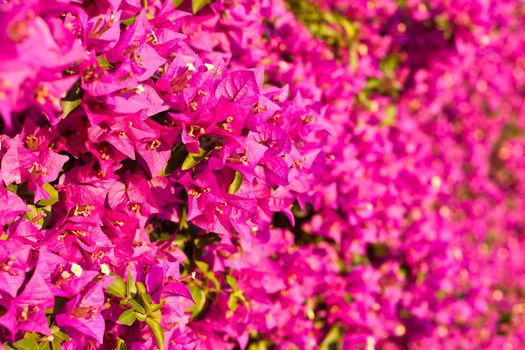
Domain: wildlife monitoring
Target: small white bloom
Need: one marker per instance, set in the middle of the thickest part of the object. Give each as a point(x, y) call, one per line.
point(76, 269)
point(104, 268)
point(190, 67)
point(139, 89)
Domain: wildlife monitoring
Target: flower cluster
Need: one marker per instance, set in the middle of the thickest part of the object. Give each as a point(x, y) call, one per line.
point(262, 174)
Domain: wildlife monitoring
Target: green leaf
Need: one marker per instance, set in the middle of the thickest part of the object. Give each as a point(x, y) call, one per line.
point(243, 299)
point(197, 5)
point(121, 345)
point(193, 159)
point(58, 338)
point(236, 183)
point(53, 196)
point(359, 259)
point(143, 297)
point(262, 344)
point(130, 20)
point(127, 318)
point(136, 306)
point(236, 295)
point(333, 339)
point(69, 106)
point(183, 224)
point(353, 59)
point(232, 303)
point(26, 344)
point(72, 99)
point(390, 116)
point(299, 213)
point(389, 65)
point(373, 84)
point(157, 331)
point(210, 275)
point(13, 188)
point(117, 288)
point(199, 297)
point(156, 307)
point(44, 346)
point(350, 28)
point(104, 63)
point(177, 156)
point(33, 212)
point(231, 281)
point(155, 315)
point(177, 3)
point(141, 317)
point(58, 334)
point(131, 287)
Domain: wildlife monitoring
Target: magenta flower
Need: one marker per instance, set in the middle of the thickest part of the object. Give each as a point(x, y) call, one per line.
point(26, 311)
point(261, 174)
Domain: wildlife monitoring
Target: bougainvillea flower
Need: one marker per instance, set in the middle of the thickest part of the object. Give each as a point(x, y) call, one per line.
point(284, 174)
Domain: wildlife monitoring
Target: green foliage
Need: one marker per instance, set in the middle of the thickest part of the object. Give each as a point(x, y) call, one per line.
point(121, 345)
point(331, 27)
point(104, 63)
point(208, 273)
point(137, 305)
point(333, 339)
point(157, 331)
point(197, 5)
point(390, 116)
point(38, 215)
point(53, 196)
point(177, 157)
point(130, 21)
point(261, 344)
point(117, 288)
point(236, 295)
point(29, 342)
point(128, 317)
point(36, 341)
point(236, 183)
point(192, 159)
point(69, 106)
point(199, 297)
point(72, 99)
